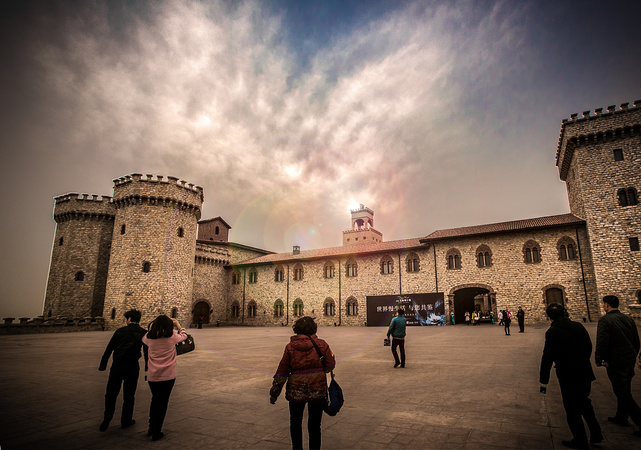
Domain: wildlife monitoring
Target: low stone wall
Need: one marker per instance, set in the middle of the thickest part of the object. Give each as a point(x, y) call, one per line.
point(27, 325)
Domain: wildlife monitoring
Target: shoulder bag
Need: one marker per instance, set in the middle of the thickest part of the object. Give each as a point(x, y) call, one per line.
point(334, 391)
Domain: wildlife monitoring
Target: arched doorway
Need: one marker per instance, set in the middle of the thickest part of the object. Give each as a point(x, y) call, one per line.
point(554, 295)
point(201, 312)
point(467, 298)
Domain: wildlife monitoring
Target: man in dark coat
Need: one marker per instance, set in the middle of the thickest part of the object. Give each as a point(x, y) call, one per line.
point(520, 315)
point(568, 346)
point(617, 347)
point(125, 344)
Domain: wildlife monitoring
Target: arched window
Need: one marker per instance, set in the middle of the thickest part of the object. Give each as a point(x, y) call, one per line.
point(146, 267)
point(329, 307)
point(413, 263)
point(632, 196)
point(253, 276)
point(387, 265)
point(351, 269)
point(566, 246)
point(531, 252)
point(328, 269)
point(483, 256)
point(298, 272)
point(278, 308)
point(352, 306)
point(453, 257)
point(181, 232)
point(298, 307)
point(235, 277)
point(627, 197)
point(80, 276)
point(235, 310)
point(251, 309)
point(279, 274)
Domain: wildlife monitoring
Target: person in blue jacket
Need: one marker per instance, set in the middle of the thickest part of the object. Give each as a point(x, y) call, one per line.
point(397, 330)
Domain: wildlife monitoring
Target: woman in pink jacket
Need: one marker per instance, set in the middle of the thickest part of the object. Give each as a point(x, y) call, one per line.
point(161, 339)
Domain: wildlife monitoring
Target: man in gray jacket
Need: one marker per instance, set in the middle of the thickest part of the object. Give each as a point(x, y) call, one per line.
point(617, 348)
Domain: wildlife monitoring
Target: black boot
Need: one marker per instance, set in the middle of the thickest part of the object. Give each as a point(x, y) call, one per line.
point(105, 423)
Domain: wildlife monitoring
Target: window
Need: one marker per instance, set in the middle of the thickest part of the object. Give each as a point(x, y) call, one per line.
point(174, 313)
point(329, 307)
point(80, 276)
point(113, 313)
point(181, 232)
point(618, 154)
point(298, 272)
point(253, 276)
point(483, 256)
point(122, 229)
point(387, 265)
point(634, 244)
point(235, 278)
point(627, 197)
point(412, 262)
point(298, 307)
point(217, 230)
point(279, 274)
point(352, 307)
point(251, 309)
point(566, 248)
point(351, 269)
point(329, 270)
point(146, 267)
point(453, 257)
point(60, 241)
point(278, 308)
point(235, 310)
point(531, 252)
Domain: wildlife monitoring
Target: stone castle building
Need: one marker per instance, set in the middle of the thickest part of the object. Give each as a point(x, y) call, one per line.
point(147, 248)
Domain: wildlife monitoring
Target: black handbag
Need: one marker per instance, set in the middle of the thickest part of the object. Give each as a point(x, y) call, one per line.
point(334, 391)
point(186, 346)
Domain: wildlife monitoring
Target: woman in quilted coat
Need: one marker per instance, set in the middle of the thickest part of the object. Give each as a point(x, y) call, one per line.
point(305, 374)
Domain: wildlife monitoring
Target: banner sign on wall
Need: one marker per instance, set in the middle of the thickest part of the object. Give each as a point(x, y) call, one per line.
point(420, 309)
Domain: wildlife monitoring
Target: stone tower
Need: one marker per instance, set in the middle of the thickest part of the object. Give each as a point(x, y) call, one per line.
point(362, 231)
point(79, 256)
point(599, 158)
point(153, 247)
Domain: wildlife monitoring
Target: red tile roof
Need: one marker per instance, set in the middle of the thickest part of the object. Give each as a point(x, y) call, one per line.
point(335, 252)
point(503, 227)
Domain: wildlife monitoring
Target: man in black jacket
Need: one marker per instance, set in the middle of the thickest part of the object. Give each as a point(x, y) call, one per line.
point(617, 347)
point(568, 346)
point(125, 344)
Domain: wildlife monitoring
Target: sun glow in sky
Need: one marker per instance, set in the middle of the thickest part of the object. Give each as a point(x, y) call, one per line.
point(434, 114)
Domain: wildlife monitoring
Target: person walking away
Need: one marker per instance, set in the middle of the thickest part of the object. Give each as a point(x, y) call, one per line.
point(501, 317)
point(125, 344)
point(520, 316)
point(506, 322)
point(569, 348)
point(305, 374)
point(617, 347)
point(467, 318)
point(397, 329)
point(161, 340)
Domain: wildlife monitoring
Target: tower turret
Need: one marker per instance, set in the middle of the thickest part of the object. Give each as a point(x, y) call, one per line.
point(362, 231)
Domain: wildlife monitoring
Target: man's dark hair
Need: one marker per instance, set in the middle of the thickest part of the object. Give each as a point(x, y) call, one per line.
point(611, 300)
point(134, 315)
point(555, 311)
point(161, 327)
point(305, 325)
point(400, 311)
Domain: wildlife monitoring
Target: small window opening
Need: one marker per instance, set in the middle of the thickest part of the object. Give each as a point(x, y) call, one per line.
point(618, 154)
point(146, 267)
point(122, 228)
point(61, 241)
point(80, 276)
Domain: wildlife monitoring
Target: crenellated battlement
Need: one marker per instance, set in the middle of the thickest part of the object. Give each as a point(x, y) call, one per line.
point(601, 126)
point(85, 206)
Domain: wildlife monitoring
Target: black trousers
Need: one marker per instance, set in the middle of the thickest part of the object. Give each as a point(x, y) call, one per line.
point(160, 392)
point(315, 415)
point(578, 406)
point(400, 343)
point(127, 376)
point(621, 379)
point(522, 325)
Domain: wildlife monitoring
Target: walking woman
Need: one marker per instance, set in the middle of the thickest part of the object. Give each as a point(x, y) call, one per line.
point(161, 339)
point(301, 367)
point(506, 322)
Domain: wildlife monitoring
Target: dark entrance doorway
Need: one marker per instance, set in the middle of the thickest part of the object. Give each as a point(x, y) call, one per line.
point(464, 301)
point(554, 295)
point(201, 313)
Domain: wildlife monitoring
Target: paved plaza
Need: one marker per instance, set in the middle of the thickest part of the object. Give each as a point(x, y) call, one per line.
point(463, 387)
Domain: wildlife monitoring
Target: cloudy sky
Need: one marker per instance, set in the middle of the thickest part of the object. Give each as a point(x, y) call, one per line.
point(288, 113)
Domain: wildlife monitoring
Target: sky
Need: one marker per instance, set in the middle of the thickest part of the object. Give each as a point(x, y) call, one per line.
point(434, 114)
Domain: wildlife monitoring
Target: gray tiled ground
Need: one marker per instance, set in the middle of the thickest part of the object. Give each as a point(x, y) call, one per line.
point(464, 387)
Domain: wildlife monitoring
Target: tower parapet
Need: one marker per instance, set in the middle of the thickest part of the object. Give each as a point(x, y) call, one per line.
point(362, 231)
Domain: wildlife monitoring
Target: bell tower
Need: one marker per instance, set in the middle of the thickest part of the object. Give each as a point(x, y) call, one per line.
point(362, 231)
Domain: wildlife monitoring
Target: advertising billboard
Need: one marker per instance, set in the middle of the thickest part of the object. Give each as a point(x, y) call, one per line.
point(420, 309)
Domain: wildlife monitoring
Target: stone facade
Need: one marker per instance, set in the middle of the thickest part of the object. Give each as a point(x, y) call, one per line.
point(146, 248)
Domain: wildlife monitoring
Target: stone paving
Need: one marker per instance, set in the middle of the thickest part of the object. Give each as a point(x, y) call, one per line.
point(463, 387)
